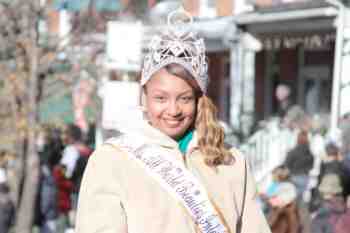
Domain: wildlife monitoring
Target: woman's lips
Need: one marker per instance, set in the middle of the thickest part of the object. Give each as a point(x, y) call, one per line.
point(172, 123)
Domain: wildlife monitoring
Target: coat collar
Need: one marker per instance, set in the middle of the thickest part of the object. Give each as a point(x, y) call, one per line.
point(155, 136)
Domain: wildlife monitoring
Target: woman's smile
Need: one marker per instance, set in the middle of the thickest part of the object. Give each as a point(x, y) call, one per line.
point(173, 123)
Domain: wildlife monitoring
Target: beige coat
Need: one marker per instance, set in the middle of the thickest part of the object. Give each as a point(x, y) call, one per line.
point(118, 196)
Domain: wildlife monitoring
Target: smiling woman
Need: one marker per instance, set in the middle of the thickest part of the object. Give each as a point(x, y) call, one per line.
point(170, 103)
point(174, 173)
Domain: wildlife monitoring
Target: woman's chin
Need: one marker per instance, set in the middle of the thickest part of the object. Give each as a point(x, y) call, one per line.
point(175, 133)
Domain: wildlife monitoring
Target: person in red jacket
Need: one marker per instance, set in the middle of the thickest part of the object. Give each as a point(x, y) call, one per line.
point(64, 191)
point(65, 187)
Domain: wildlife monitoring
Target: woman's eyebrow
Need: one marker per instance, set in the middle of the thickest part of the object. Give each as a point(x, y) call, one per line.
point(186, 92)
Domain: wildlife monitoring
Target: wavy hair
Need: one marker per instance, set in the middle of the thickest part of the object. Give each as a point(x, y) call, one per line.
point(210, 133)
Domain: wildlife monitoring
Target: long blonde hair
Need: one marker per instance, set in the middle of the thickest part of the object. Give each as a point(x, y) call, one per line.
point(211, 134)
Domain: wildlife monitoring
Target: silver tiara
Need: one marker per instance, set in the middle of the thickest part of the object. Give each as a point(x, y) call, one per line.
point(177, 45)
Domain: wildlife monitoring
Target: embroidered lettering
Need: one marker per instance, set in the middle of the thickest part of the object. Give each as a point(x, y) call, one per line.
point(176, 179)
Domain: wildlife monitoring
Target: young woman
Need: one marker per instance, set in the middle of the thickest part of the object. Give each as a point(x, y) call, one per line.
point(174, 174)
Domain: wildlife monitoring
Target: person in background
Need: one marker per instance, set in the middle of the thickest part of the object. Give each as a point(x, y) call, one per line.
point(332, 205)
point(63, 173)
point(69, 173)
point(318, 150)
point(283, 216)
point(46, 204)
point(51, 150)
point(64, 191)
point(49, 147)
point(282, 94)
point(173, 173)
point(299, 161)
point(279, 175)
point(333, 163)
point(71, 137)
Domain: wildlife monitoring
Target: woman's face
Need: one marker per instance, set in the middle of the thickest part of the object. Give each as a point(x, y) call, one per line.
point(170, 104)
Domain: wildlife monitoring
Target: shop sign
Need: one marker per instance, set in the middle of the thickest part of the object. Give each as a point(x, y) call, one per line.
point(315, 41)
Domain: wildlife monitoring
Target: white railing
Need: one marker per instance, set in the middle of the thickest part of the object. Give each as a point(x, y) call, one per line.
point(266, 149)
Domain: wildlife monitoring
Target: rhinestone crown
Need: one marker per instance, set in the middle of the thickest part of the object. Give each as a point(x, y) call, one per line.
point(177, 45)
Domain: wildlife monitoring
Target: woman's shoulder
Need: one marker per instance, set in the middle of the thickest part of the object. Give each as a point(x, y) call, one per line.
point(108, 151)
point(238, 156)
point(236, 166)
point(121, 144)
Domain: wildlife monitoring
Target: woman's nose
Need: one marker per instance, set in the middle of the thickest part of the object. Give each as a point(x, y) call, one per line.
point(174, 109)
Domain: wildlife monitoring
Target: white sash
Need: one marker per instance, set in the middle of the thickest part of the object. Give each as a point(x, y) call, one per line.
point(176, 179)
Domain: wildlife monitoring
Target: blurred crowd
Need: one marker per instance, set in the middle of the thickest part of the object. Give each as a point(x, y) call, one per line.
point(63, 154)
point(309, 192)
point(327, 210)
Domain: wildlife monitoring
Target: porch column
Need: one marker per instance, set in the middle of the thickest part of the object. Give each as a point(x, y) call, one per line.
point(248, 91)
point(236, 52)
point(242, 111)
point(344, 85)
point(340, 91)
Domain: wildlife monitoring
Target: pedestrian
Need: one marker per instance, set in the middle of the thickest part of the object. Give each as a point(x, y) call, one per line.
point(47, 203)
point(64, 191)
point(283, 216)
point(299, 161)
point(283, 97)
point(279, 175)
point(332, 205)
point(334, 163)
point(71, 136)
point(174, 173)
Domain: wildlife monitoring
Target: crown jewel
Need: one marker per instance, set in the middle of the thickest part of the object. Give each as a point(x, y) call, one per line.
point(177, 45)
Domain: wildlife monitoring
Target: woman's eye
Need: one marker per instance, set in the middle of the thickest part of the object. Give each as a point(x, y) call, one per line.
point(160, 98)
point(186, 99)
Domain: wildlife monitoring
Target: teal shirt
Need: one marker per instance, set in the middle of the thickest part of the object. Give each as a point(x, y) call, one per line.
point(185, 141)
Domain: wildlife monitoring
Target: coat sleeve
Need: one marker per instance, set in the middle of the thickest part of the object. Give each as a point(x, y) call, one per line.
point(100, 208)
point(253, 219)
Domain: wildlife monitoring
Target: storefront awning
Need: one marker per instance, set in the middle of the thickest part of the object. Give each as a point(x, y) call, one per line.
point(314, 19)
point(313, 28)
